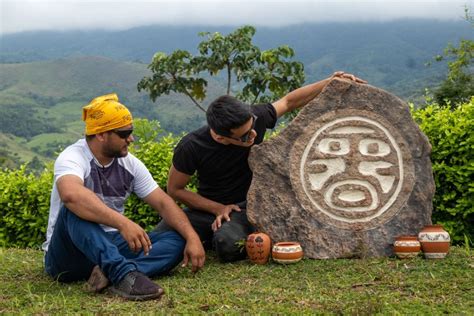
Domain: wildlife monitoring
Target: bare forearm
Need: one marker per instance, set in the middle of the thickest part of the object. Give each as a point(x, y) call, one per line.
point(85, 204)
point(196, 201)
point(301, 96)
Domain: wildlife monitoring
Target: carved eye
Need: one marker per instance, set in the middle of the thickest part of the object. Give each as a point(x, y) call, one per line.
point(374, 147)
point(334, 146)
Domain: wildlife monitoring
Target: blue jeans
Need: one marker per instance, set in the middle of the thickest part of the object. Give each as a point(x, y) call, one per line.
point(78, 245)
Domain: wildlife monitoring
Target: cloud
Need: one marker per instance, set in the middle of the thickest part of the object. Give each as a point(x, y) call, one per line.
point(21, 15)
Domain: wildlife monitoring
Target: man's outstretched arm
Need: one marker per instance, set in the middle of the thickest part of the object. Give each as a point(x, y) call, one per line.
point(301, 96)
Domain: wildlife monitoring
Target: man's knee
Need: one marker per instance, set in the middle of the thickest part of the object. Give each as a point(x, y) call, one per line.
point(229, 245)
point(173, 244)
point(175, 239)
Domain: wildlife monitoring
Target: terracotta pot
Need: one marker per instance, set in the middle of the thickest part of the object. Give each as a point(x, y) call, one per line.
point(406, 247)
point(287, 252)
point(434, 241)
point(258, 247)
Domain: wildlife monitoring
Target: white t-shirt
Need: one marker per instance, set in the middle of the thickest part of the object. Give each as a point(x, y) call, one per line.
point(112, 183)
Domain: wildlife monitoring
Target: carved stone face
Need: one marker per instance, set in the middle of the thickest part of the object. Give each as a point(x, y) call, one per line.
point(351, 170)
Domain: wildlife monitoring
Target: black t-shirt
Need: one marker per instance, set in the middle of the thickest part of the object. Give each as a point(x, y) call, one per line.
point(223, 172)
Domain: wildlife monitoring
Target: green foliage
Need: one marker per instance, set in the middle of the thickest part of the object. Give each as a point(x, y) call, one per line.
point(451, 134)
point(24, 206)
point(21, 121)
point(235, 54)
point(458, 87)
point(172, 74)
point(272, 72)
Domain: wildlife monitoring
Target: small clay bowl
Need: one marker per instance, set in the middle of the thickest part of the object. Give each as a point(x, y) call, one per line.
point(287, 252)
point(406, 247)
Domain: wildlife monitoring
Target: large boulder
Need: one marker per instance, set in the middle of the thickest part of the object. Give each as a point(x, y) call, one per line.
point(349, 174)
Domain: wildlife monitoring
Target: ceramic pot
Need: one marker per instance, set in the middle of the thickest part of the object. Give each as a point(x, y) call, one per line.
point(287, 252)
point(406, 247)
point(434, 241)
point(258, 247)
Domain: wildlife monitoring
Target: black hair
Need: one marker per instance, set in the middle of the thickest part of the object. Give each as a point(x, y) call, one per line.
point(226, 113)
point(90, 137)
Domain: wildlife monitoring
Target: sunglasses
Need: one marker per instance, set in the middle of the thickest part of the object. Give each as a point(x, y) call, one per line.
point(244, 138)
point(124, 133)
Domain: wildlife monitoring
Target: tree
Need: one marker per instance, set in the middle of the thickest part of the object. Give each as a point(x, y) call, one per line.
point(458, 87)
point(263, 75)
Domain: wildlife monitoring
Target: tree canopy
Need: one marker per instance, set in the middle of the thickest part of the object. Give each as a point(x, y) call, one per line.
point(458, 87)
point(263, 75)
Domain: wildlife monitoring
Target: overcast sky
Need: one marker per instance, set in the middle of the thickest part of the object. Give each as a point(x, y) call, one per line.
point(23, 15)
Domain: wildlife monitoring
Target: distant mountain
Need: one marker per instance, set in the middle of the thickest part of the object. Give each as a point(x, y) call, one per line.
point(46, 77)
point(391, 55)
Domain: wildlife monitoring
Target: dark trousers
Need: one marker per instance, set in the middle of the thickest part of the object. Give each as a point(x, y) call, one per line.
point(225, 241)
point(78, 245)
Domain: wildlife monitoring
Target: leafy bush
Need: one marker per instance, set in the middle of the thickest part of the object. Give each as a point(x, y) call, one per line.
point(451, 133)
point(24, 206)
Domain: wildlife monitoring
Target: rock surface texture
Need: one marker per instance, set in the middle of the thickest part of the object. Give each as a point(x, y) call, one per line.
point(347, 176)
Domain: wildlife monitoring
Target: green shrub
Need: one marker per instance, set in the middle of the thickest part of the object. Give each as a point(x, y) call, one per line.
point(24, 207)
point(451, 134)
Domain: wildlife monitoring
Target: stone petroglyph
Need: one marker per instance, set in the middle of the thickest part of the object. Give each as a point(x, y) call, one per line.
point(347, 176)
point(351, 164)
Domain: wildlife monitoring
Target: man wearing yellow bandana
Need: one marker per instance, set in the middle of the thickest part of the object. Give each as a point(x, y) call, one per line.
point(88, 236)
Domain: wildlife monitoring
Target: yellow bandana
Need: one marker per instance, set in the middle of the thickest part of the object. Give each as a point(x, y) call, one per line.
point(105, 113)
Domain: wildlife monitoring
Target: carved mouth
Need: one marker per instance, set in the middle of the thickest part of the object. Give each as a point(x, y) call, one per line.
point(352, 196)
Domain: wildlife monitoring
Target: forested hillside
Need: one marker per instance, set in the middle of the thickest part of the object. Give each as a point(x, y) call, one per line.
point(40, 103)
point(52, 92)
point(46, 77)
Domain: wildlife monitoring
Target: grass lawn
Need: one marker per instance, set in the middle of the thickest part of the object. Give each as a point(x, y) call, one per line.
point(345, 286)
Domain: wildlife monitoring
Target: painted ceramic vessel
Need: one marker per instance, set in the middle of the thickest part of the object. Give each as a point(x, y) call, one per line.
point(258, 246)
point(287, 252)
point(434, 241)
point(406, 247)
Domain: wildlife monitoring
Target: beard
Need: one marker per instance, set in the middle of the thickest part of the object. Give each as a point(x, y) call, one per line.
point(115, 152)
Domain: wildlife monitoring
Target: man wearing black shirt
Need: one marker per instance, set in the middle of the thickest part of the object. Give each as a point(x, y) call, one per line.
point(218, 153)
